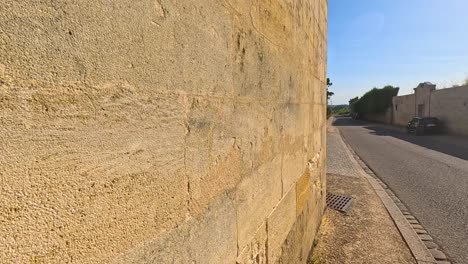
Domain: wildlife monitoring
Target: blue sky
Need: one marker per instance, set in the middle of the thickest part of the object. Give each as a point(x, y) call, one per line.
point(372, 43)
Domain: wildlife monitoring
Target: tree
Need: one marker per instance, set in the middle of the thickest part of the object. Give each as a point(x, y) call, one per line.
point(329, 94)
point(376, 100)
point(466, 81)
point(351, 104)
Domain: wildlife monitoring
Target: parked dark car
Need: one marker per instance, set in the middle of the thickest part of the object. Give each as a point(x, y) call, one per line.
point(424, 125)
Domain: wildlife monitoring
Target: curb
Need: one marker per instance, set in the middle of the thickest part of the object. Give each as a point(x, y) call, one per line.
point(420, 243)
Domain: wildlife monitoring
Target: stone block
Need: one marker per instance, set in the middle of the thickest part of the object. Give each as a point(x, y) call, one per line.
point(313, 214)
point(213, 157)
point(211, 239)
point(258, 72)
point(277, 26)
point(280, 223)
point(87, 184)
point(303, 189)
point(257, 196)
point(293, 144)
point(296, 247)
point(256, 251)
point(293, 167)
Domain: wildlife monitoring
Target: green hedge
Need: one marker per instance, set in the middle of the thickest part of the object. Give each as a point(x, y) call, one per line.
point(375, 100)
point(351, 104)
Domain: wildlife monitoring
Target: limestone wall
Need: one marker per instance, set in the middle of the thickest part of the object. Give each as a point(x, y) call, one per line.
point(403, 109)
point(160, 131)
point(423, 94)
point(451, 107)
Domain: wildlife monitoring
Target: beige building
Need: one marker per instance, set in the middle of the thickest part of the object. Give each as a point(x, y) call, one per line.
point(449, 105)
point(161, 131)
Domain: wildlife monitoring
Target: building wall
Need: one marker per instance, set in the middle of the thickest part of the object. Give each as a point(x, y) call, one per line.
point(160, 131)
point(451, 107)
point(423, 98)
point(403, 109)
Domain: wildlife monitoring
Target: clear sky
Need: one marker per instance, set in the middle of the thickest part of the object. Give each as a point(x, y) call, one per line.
point(372, 43)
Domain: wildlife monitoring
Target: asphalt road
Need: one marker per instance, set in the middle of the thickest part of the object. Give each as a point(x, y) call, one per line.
point(428, 173)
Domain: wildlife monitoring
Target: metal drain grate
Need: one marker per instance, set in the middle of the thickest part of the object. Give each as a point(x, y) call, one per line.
point(338, 202)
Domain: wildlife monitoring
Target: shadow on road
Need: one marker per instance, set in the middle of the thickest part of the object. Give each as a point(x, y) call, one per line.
point(348, 121)
point(451, 145)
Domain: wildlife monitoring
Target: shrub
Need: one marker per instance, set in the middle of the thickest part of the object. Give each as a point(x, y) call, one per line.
point(351, 104)
point(376, 100)
point(339, 109)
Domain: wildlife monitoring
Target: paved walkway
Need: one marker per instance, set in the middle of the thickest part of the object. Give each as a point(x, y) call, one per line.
point(367, 234)
point(339, 161)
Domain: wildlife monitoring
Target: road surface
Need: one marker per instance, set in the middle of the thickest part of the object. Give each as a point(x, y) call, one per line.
point(428, 173)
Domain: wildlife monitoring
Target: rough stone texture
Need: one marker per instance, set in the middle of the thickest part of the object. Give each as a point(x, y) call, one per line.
point(280, 223)
point(256, 251)
point(160, 131)
point(296, 247)
point(211, 238)
point(257, 196)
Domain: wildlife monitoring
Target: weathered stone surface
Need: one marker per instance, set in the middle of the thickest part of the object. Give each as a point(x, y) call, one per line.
point(211, 239)
point(257, 196)
point(279, 224)
point(303, 192)
point(294, 156)
point(256, 251)
point(160, 131)
point(310, 208)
